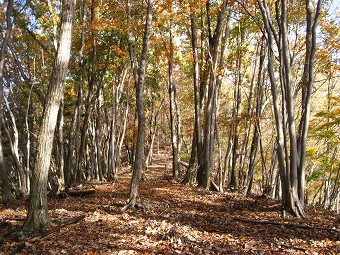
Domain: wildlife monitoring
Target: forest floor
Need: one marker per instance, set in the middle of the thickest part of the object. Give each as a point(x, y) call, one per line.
point(177, 219)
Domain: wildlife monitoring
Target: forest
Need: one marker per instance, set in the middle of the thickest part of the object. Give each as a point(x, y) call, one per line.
point(194, 127)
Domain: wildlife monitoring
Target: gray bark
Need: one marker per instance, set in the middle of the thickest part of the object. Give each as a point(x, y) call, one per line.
point(14, 144)
point(138, 164)
point(196, 145)
point(174, 116)
point(60, 142)
point(291, 150)
point(112, 174)
point(212, 100)
point(7, 197)
point(37, 217)
point(307, 83)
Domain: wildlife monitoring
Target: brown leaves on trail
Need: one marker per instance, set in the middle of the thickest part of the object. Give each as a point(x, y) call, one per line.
point(176, 219)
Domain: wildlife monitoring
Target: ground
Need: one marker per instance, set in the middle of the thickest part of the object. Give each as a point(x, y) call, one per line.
point(176, 219)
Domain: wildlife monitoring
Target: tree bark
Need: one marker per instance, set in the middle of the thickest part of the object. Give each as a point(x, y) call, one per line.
point(257, 116)
point(37, 217)
point(15, 148)
point(89, 98)
point(307, 86)
point(60, 142)
point(112, 174)
point(7, 197)
point(196, 145)
point(174, 116)
point(138, 164)
point(212, 100)
point(291, 150)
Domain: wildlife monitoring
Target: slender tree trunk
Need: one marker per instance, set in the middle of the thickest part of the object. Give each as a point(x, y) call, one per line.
point(278, 121)
point(37, 217)
point(60, 138)
point(189, 175)
point(14, 144)
point(335, 191)
point(307, 83)
point(138, 164)
point(99, 135)
point(73, 147)
point(196, 146)
point(7, 197)
point(212, 100)
point(27, 150)
point(174, 120)
point(291, 149)
point(112, 157)
point(122, 134)
point(257, 116)
point(25, 133)
point(90, 95)
point(153, 130)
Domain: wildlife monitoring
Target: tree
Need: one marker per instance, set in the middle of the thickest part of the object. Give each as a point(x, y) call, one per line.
point(139, 163)
point(212, 101)
point(7, 197)
point(37, 217)
point(291, 147)
point(196, 144)
point(174, 108)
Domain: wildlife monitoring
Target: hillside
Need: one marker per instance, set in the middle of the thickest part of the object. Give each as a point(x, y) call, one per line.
point(176, 219)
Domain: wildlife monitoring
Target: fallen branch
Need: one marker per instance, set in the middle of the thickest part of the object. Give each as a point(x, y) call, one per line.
point(285, 224)
point(63, 224)
point(48, 232)
point(213, 186)
point(185, 164)
point(79, 193)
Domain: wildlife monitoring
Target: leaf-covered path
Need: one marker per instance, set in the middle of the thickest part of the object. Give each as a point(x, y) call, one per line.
point(176, 219)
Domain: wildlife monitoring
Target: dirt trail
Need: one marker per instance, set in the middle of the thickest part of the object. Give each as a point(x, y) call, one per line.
point(177, 219)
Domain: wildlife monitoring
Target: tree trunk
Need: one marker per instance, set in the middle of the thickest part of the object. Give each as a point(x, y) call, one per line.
point(174, 117)
point(138, 164)
point(291, 150)
point(73, 143)
point(257, 116)
point(7, 197)
point(153, 129)
point(189, 175)
point(212, 100)
point(37, 217)
point(307, 86)
point(73, 148)
point(112, 174)
point(89, 98)
point(122, 135)
point(60, 139)
point(196, 145)
point(15, 149)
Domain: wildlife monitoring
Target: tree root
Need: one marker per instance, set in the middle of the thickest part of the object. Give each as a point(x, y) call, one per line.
point(135, 203)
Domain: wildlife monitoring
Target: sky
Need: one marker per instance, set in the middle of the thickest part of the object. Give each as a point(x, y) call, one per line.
point(336, 4)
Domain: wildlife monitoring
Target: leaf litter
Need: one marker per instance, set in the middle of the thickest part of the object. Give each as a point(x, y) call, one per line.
point(177, 219)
